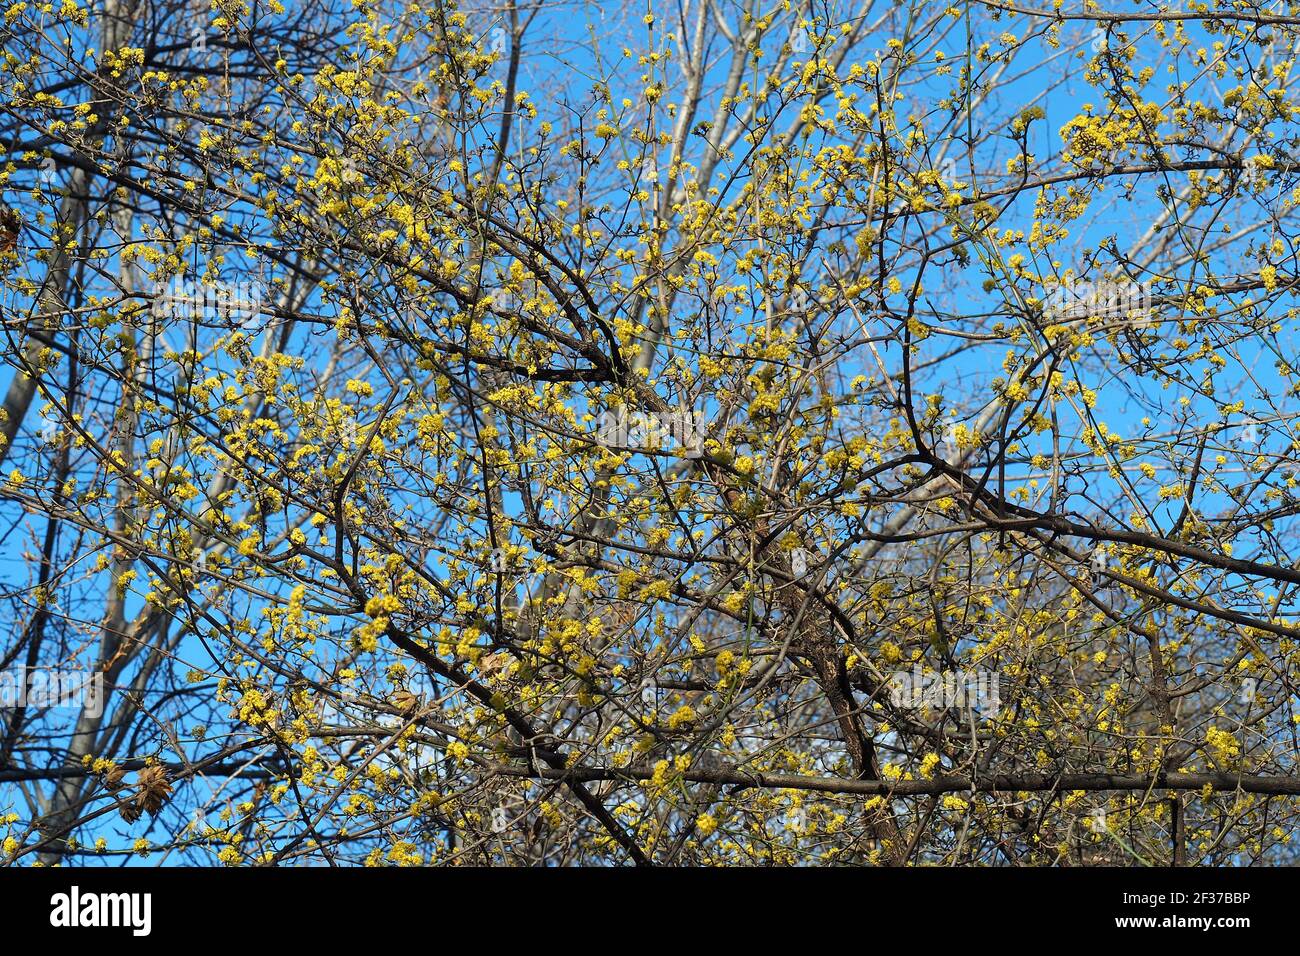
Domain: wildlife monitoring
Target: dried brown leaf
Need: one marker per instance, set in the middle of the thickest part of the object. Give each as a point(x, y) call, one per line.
point(154, 788)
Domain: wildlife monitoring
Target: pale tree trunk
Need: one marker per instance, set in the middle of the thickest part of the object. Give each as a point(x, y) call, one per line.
point(117, 641)
point(115, 30)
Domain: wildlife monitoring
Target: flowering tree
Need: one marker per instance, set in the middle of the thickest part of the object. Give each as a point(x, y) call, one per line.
point(712, 433)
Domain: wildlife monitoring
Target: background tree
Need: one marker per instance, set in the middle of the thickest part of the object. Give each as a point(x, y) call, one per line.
point(538, 433)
